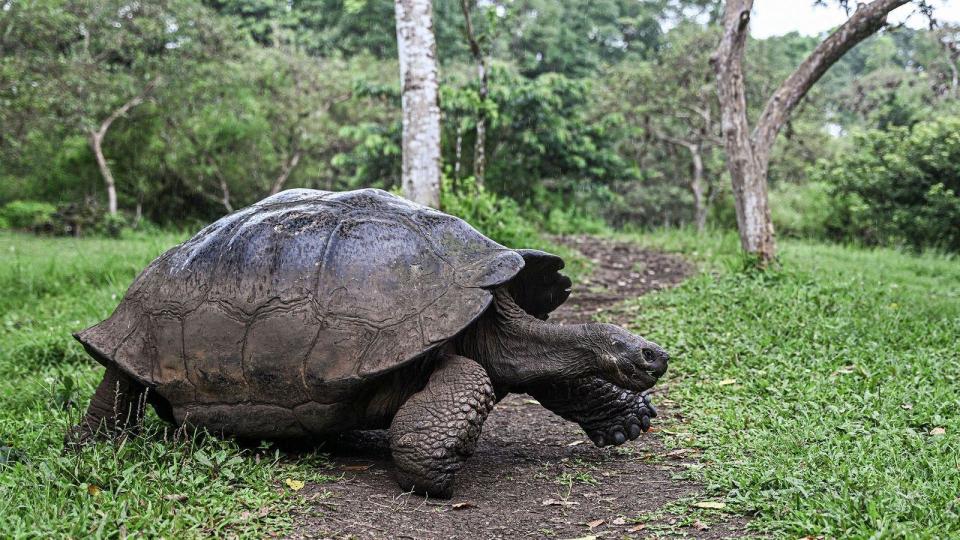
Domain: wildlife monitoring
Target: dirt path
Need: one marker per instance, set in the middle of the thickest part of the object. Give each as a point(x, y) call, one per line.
point(534, 475)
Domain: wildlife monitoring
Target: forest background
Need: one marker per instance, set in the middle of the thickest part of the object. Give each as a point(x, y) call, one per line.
point(599, 114)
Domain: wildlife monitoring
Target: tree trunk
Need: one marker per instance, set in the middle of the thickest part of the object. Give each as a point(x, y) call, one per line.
point(225, 194)
point(479, 149)
point(697, 183)
point(421, 111)
point(457, 156)
point(96, 144)
point(748, 153)
point(697, 187)
point(288, 168)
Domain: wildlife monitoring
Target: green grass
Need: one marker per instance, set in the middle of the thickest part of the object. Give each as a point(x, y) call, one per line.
point(815, 390)
point(175, 485)
point(843, 361)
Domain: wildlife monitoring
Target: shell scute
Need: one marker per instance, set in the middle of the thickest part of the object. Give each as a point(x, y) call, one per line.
point(300, 298)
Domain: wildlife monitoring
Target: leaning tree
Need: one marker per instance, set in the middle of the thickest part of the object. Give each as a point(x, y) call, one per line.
point(748, 150)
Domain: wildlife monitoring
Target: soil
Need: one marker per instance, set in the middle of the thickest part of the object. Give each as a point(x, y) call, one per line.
point(535, 475)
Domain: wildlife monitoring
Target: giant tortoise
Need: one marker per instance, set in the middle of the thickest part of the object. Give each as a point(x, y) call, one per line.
point(312, 313)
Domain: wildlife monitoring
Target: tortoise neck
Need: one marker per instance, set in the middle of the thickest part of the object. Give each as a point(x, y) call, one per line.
point(518, 350)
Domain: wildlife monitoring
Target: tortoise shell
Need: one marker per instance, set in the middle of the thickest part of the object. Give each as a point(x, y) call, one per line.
point(307, 293)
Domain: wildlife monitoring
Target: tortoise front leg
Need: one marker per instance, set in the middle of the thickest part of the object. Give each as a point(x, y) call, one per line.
point(436, 429)
point(607, 413)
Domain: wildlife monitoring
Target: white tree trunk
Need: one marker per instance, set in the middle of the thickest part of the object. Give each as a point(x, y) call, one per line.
point(96, 143)
point(420, 96)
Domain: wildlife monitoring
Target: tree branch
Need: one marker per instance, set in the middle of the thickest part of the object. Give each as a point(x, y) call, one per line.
point(690, 145)
point(865, 21)
point(125, 108)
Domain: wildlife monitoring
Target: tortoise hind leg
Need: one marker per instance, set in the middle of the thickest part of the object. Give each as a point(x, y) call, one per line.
point(116, 408)
point(436, 429)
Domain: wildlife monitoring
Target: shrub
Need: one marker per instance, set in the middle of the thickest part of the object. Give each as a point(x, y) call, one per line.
point(28, 215)
point(801, 210)
point(899, 187)
point(498, 217)
point(573, 221)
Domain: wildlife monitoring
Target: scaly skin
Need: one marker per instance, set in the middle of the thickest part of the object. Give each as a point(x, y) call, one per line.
point(607, 413)
point(519, 350)
point(437, 428)
point(116, 409)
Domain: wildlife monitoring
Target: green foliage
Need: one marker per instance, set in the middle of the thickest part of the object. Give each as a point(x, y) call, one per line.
point(539, 133)
point(814, 392)
point(498, 217)
point(503, 220)
point(27, 215)
point(899, 187)
point(801, 210)
point(574, 221)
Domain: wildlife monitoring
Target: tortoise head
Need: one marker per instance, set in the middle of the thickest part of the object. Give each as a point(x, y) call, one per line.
point(626, 359)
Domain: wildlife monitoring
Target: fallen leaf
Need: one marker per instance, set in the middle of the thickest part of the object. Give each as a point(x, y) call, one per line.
point(93, 490)
point(557, 502)
point(574, 443)
point(639, 527)
point(938, 431)
point(295, 485)
point(727, 382)
point(462, 505)
point(679, 452)
point(175, 497)
point(595, 523)
point(619, 521)
point(699, 525)
point(354, 468)
point(845, 369)
point(710, 504)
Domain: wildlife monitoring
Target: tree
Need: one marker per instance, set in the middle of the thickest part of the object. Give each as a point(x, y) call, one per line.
point(97, 135)
point(748, 152)
point(479, 147)
point(685, 115)
point(419, 101)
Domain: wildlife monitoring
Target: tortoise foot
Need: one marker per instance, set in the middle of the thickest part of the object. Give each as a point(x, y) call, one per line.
point(609, 414)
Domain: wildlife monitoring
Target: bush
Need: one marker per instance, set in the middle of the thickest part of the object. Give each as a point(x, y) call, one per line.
point(574, 221)
point(899, 187)
point(498, 217)
point(68, 219)
point(28, 215)
point(801, 210)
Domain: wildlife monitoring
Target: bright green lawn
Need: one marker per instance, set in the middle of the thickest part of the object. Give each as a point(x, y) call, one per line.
point(844, 362)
